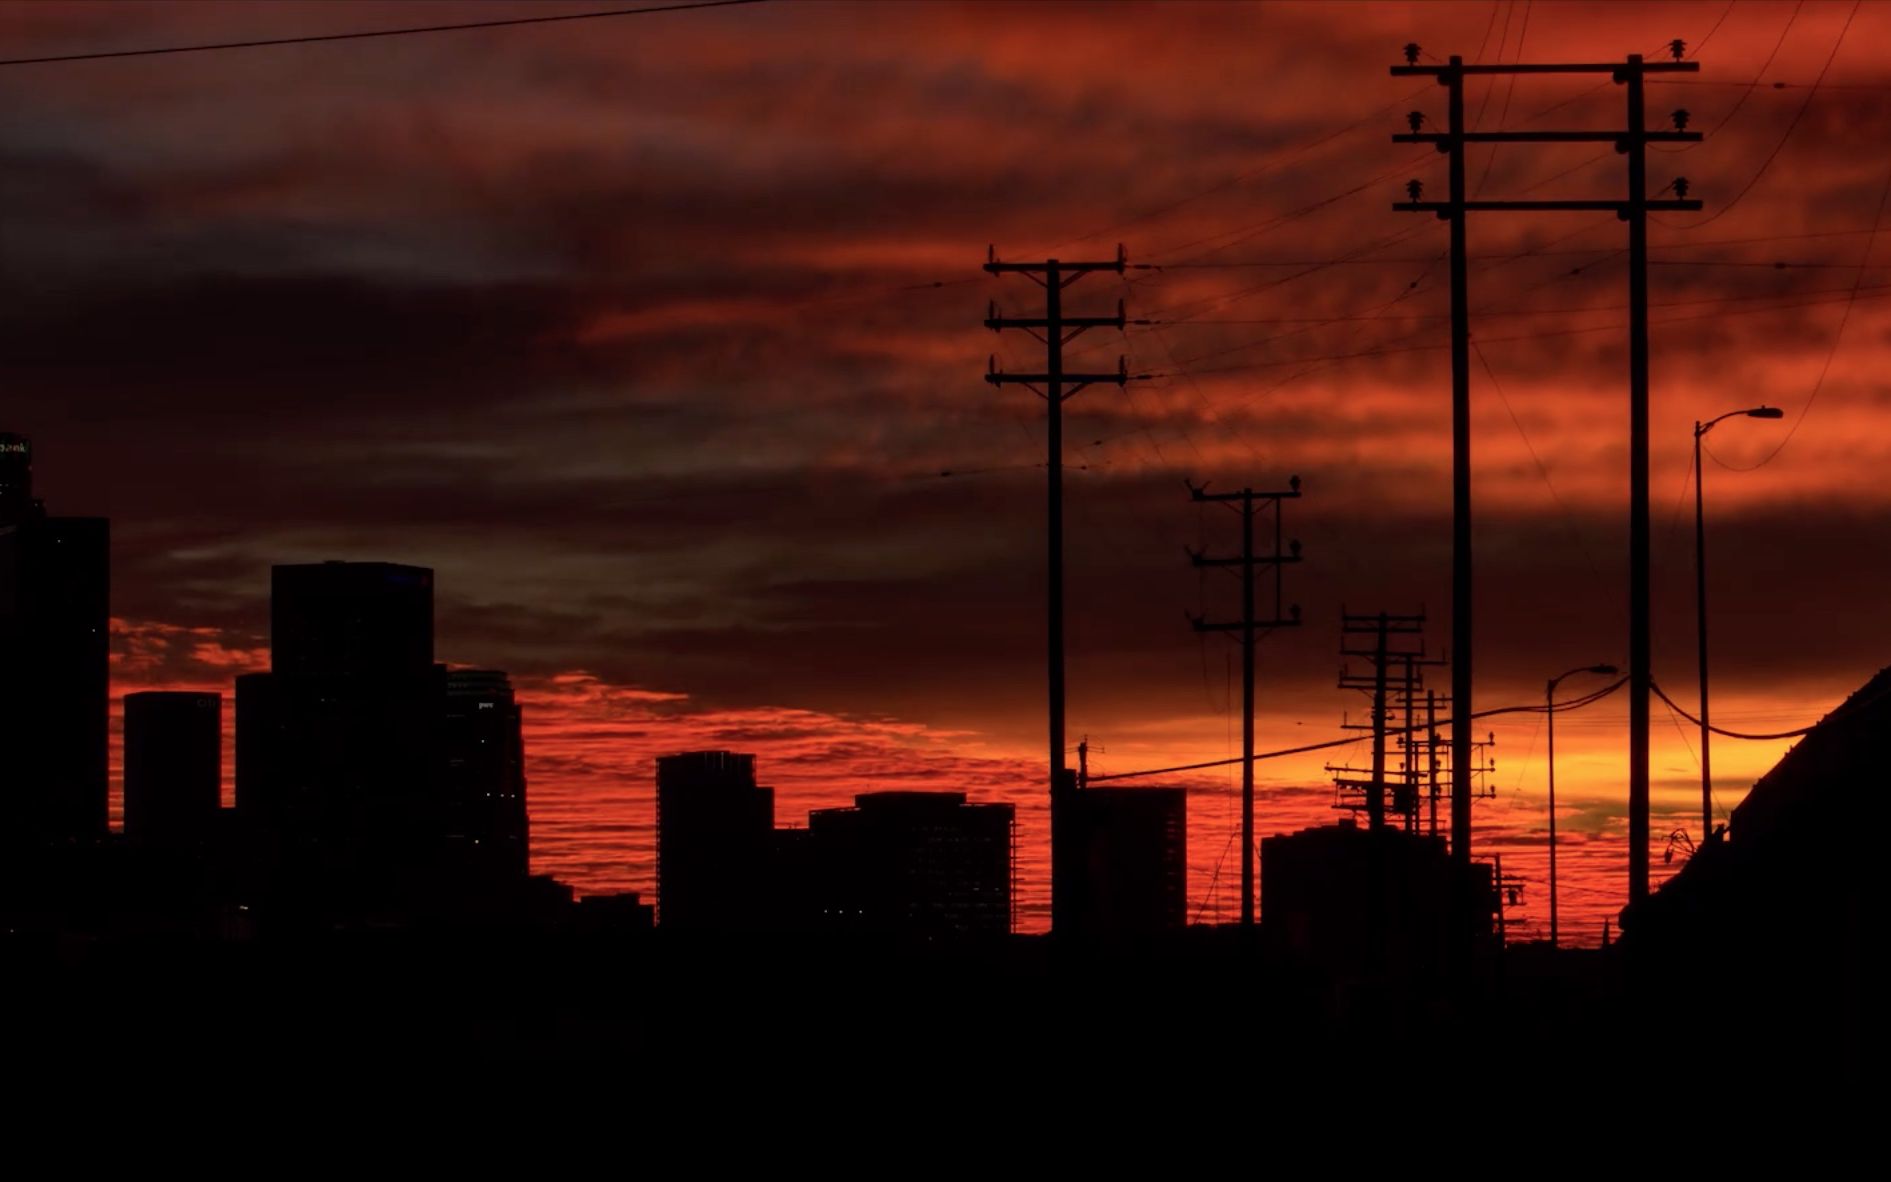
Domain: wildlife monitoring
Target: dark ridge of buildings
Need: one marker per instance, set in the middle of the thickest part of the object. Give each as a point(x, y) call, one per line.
point(910, 864)
point(714, 842)
point(55, 609)
point(1377, 904)
point(1119, 861)
point(483, 748)
point(616, 914)
point(1769, 922)
point(173, 767)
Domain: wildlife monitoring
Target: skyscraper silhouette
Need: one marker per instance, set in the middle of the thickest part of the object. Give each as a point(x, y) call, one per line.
point(338, 746)
point(173, 767)
point(714, 829)
point(55, 591)
point(484, 770)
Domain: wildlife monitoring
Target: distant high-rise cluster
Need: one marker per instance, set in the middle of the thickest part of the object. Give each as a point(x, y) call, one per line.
point(376, 773)
point(370, 780)
point(374, 784)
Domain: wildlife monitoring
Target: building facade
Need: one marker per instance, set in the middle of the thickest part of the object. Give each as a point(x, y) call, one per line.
point(55, 618)
point(714, 842)
point(173, 767)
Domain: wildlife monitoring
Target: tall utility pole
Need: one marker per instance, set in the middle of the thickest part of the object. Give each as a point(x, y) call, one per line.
point(1055, 387)
point(1633, 208)
point(1382, 656)
point(1247, 626)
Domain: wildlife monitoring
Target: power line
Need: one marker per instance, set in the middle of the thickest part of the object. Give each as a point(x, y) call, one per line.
point(1569, 519)
point(1748, 92)
point(1790, 127)
point(365, 34)
point(1530, 336)
point(1791, 734)
point(1560, 707)
point(1276, 162)
point(1838, 336)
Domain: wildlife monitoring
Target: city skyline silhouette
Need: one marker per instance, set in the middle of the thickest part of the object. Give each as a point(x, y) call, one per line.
point(656, 342)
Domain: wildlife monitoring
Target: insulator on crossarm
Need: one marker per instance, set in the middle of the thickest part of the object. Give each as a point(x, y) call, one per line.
point(1411, 53)
point(1414, 189)
point(1680, 117)
point(1678, 48)
point(1681, 187)
point(1414, 120)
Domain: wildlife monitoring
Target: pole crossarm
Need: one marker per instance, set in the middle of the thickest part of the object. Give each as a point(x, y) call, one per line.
point(1444, 139)
point(1621, 207)
point(1056, 271)
point(1613, 69)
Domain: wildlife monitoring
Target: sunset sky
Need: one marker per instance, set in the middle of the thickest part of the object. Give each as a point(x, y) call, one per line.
point(655, 335)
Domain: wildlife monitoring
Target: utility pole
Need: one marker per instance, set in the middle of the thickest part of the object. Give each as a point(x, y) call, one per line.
point(1431, 755)
point(1247, 626)
point(1633, 208)
point(1055, 386)
point(1382, 656)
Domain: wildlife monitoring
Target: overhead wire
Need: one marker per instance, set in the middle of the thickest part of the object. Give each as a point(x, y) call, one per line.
point(1791, 127)
point(369, 34)
point(1570, 704)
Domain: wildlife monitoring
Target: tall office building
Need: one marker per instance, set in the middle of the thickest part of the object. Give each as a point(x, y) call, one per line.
point(173, 767)
point(714, 829)
point(484, 787)
point(913, 864)
point(55, 592)
point(338, 746)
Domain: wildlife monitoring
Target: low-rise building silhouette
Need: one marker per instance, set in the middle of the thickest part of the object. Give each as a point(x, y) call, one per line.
point(912, 864)
point(1359, 902)
point(1119, 861)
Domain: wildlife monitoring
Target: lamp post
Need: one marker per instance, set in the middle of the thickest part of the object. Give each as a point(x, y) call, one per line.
point(1700, 601)
point(1549, 705)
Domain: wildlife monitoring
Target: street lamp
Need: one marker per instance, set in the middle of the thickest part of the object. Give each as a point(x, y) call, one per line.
point(1700, 601)
point(1549, 706)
